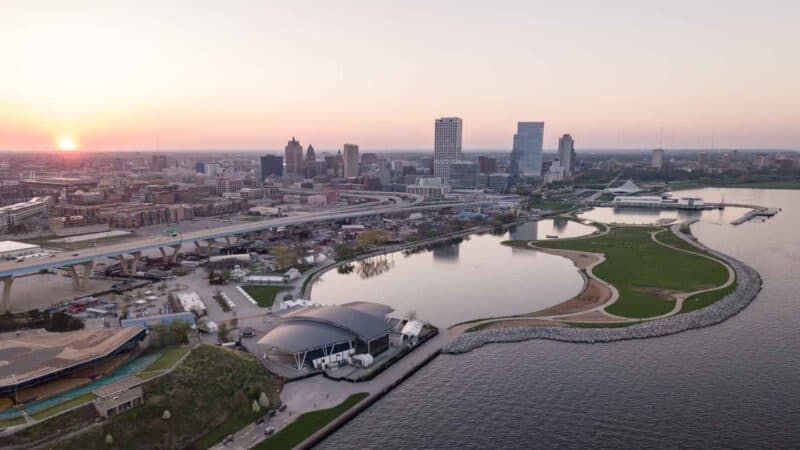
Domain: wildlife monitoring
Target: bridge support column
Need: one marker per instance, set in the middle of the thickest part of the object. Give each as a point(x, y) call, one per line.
point(135, 261)
point(80, 281)
point(170, 258)
point(5, 301)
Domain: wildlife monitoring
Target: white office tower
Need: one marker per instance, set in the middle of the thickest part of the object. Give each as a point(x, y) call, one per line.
point(350, 160)
point(657, 159)
point(566, 154)
point(446, 145)
point(528, 148)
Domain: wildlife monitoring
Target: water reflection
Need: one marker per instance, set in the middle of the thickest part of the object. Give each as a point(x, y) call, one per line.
point(446, 253)
point(461, 279)
point(374, 266)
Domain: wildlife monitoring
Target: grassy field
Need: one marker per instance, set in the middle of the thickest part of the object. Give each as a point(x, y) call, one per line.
point(55, 409)
point(643, 271)
point(263, 295)
point(785, 184)
point(212, 389)
point(308, 424)
point(168, 357)
point(699, 301)
point(5, 423)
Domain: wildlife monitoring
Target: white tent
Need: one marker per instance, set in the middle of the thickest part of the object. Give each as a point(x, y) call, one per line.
point(412, 329)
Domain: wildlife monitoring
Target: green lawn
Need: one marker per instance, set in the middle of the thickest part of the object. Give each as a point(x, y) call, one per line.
point(639, 268)
point(212, 388)
point(234, 423)
point(308, 424)
point(263, 295)
point(777, 184)
point(5, 423)
point(55, 409)
point(699, 301)
point(168, 357)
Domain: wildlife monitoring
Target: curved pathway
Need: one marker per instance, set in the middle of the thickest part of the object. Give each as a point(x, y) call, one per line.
point(598, 314)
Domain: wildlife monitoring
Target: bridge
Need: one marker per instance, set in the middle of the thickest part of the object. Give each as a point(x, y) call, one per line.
point(128, 253)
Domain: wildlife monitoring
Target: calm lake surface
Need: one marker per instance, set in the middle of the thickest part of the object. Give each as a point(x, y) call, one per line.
point(463, 280)
point(733, 385)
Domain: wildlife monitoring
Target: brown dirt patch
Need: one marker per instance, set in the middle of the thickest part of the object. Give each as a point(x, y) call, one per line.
point(595, 294)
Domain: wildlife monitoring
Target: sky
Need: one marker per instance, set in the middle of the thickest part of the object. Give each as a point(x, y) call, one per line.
point(182, 75)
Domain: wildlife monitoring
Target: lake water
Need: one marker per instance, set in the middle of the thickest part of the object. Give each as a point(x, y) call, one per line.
point(733, 385)
point(462, 280)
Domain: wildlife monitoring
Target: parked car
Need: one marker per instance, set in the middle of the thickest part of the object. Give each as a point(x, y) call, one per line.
point(248, 332)
point(228, 439)
point(260, 420)
point(269, 430)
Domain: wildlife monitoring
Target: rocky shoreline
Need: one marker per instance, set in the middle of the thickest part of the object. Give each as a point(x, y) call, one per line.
point(748, 286)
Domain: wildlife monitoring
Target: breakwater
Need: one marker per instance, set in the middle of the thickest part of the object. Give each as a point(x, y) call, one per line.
point(748, 287)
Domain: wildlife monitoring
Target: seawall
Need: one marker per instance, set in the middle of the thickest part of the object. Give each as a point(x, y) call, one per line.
point(748, 287)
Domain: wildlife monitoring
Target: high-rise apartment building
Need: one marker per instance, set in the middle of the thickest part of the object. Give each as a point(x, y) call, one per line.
point(566, 154)
point(446, 145)
point(271, 166)
point(294, 160)
point(350, 160)
point(657, 158)
point(527, 150)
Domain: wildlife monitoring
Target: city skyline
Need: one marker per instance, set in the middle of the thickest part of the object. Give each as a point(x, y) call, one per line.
point(86, 77)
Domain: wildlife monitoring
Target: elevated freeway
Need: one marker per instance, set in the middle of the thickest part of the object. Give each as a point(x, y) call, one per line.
point(85, 258)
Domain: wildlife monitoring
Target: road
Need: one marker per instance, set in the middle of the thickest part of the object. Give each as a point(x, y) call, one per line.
point(33, 265)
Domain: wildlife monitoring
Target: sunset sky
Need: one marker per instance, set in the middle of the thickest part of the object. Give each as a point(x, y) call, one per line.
point(251, 74)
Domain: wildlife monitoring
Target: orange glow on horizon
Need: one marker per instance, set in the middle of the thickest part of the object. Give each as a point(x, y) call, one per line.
point(67, 144)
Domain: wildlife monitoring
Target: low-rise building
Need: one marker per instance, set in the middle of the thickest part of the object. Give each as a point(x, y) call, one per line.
point(118, 397)
point(14, 249)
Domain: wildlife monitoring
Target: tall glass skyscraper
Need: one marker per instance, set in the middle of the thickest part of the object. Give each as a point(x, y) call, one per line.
point(527, 152)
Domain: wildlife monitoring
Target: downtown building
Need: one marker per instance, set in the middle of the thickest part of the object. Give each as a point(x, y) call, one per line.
point(526, 155)
point(351, 160)
point(566, 154)
point(293, 158)
point(446, 145)
point(271, 167)
point(463, 175)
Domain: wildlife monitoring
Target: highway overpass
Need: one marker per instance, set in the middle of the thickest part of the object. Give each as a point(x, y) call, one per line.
point(86, 258)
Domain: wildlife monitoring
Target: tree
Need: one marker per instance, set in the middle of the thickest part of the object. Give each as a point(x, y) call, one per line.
point(263, 400)
point(222, 332)
point(284, 255)
point(369, 238)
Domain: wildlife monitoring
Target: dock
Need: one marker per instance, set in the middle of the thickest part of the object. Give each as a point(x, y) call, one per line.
point(757, 212)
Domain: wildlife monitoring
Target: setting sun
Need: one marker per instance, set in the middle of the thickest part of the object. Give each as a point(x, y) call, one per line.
point(67, 144)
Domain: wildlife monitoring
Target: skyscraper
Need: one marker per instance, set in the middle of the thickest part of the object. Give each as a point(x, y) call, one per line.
point(657, 159)
point(350, 160)
point(294, 160)
point(566, 154)
point(527, 150)
point(271, 166)
point(446, 145)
